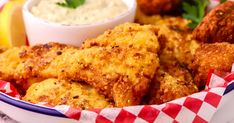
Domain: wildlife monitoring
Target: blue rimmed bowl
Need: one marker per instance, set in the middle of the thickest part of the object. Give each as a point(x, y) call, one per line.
point(24, 112)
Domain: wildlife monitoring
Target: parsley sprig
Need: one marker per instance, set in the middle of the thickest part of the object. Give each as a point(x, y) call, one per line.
point(194, 10)
point(222, 1)
point(71, 3)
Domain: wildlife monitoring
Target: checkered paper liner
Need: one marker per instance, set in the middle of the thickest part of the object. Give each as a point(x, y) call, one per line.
point(198, 107)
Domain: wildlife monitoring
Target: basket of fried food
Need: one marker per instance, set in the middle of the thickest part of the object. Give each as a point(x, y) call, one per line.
point(158, 69)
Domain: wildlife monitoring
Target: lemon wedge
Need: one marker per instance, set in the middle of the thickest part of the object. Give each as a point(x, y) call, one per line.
point(12, 31)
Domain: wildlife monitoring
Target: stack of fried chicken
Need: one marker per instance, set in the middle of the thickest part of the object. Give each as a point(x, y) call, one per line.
point(153, 63)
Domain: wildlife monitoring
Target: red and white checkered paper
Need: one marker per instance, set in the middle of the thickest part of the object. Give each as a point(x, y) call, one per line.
point(197, 108)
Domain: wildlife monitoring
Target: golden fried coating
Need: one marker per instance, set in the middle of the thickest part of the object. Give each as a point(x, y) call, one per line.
point(159, 6)
point(176, 43)
point(173, 80)
point(128, 35)
point(123, 74)
point(120, 72)
point(9, 61)
point(61, 92)
point(217, 56)
point(178, 24)
point(177, 49)
point(2, 49)
point(218, 25)
point(170, 84)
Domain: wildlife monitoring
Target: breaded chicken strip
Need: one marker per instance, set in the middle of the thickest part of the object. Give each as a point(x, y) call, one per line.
point(61, 92)
point(173, 80)
point(177, 49)
point(123, 74)
point(176, 43)
point(120, 63)
point(178, 24)
point(128, 35)
point(171, 84)
point(159, 6)
point(9, 60)
point(218, 25)
point(217, 56)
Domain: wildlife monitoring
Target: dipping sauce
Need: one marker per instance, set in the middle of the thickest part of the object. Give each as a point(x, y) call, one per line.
point(92, 11)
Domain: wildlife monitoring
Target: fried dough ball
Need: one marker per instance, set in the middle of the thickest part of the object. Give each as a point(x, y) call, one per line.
point(217, 56)
point(159, 6)
point(218, 25)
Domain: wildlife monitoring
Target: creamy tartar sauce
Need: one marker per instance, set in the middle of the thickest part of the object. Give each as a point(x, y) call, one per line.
point(91, 11)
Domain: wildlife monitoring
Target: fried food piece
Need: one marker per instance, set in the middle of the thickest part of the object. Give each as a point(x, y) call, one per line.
point(170, 84)
point(123, 74)
point(178, 24)
point(23, 84)
point(120, 64)
point(177, 49)
point(217, 56)
point(127, 35)
point(159, 6)
point(9, 61)
point(2, 49)
point(62, 92)
point(173, 80)
point(218, 25)
point(176, 43)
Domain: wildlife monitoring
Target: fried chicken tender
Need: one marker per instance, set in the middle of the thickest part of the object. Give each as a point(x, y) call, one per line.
point(128, 35)
point(217, 56)
point(120, 72)
point(176, 43)
point(173, 80)
point(218, 25)
point(159, 6)
point(62, 92)
point(178, 24)
point(9, 61)
point(171, 84)
point(177, 49)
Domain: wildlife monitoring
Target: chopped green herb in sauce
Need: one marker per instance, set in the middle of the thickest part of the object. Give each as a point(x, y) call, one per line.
point(71, 3)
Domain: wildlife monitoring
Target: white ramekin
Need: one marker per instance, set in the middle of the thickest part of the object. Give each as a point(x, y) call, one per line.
point(40, 31)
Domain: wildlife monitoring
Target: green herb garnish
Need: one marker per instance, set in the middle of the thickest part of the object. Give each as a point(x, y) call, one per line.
point(194, 10)
point(222, 1)
point(71, 3)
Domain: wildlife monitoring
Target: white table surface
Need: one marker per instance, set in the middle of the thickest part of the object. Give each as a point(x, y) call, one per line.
point(6, 119)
